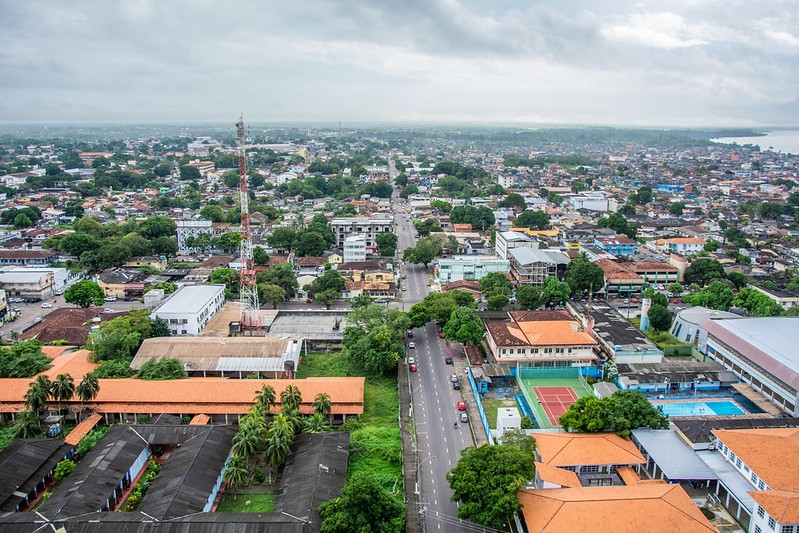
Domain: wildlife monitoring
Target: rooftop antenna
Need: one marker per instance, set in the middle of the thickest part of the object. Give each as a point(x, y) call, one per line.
point(248, 293)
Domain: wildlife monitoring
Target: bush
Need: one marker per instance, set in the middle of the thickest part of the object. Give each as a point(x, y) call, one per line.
point(163, 369)
point(114, 368)
point(63, 469)
point(258, 476)
point(88, 442)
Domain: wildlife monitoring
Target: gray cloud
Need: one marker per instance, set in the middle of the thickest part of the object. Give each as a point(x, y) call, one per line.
point(692, 62)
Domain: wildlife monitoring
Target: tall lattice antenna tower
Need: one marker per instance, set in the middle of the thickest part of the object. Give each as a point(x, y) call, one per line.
point(248, 293)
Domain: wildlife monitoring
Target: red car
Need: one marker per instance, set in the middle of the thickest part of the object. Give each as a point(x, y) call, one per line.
point(676, 300)
point(461, 406)
point(413, 367)
point(441, 334)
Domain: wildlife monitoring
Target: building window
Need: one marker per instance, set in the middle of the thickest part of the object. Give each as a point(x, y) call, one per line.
point(761, 485)
point(761, 512)
point(738, 462)
point(758, 529)
point(771, 523)
point(754, 478)
point(787, 529)
point(590, 468)
point(732, 457)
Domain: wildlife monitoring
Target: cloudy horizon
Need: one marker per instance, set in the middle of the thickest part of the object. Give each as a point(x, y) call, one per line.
point(675, 63)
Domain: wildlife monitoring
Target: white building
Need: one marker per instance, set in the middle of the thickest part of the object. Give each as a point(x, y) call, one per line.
point(368, 227)
point(507, 240)
point(62, 278)
point(191, 307)
point(191, 228)
point(505, 181)
point(591, 201)
point(355, 249)
point(469, 267)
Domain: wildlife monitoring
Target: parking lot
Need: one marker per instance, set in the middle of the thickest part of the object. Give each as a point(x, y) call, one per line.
point(30, 312)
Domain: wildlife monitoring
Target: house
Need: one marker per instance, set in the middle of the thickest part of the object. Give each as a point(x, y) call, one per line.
point(27, 467)
point(472, 287)
point(543, 338)
point(190, 308)
point(121, 283)
point(27, 257)
point(72, 325)
point(679, 245)
point(309, 266)
point(617, 246)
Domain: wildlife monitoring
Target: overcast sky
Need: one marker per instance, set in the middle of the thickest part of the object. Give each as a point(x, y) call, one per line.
point(689, 62)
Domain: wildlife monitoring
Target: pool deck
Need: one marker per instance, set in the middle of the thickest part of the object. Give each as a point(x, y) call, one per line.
point(758, 399)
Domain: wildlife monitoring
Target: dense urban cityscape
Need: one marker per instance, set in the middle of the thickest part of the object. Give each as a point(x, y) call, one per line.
point(428, 328)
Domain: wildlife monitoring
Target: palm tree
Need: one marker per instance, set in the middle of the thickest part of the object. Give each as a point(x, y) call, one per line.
point(316, 423)
point(266, 398)
point(36, 396)
point(88, 388)
point(236, 473)
point(291, 398)
point(278, 446)
point(322, 404)
point(246, 442)
point(294, 419)
point(27, 425)
point(63, 389)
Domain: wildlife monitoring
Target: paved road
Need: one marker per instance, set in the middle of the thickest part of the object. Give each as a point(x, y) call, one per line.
point(439, 441)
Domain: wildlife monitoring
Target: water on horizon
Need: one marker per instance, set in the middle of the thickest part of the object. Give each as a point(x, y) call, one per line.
point(778, 141)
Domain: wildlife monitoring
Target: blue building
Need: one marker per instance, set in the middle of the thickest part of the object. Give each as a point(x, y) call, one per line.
point(618, 246)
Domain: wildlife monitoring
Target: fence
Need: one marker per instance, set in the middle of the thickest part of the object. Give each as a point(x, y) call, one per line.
point(479, 403)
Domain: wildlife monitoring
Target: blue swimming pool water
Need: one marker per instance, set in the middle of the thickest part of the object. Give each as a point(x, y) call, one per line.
point(694, 408)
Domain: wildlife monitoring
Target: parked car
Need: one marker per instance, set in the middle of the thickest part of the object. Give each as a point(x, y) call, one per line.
point(47, 305)
point(453, 378)
point(17, 309)
point(456, 386)
point(676, 300)
point(461, 405)
point(411, 361)
point(448, 360)
point(110, 299)
point(412, 367)
point(410, 333)
point(411, 345)
point(441, 334)
point(464, 417)
point(109, 310)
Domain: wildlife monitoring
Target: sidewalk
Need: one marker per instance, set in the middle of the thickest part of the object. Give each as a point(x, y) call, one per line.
point(409, 456)
point(461, 364)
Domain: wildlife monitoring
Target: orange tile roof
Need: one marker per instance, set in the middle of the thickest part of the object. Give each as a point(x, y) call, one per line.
point(558, 476)
point(781, 505)
point(575, 449)
point(771, 453)
point(76, 364)
point(82, 429)
point(54, 351)
point(651, 508)
point(198, 395)
point(200, 420)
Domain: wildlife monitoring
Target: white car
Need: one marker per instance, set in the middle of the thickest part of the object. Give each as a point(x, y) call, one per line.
point(110, 299)
point(411, 345)
point(109, 310)
point(411, 360)
point(47, 305)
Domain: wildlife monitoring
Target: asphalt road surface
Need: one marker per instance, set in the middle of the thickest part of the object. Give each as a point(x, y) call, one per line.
point(439, 440)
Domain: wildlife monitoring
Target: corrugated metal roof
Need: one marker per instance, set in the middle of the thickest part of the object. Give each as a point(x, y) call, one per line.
point(675, 458)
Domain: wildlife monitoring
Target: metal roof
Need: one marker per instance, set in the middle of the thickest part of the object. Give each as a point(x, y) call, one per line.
point(738, 485)
point(189, 299)
point(675, 458)
point(24, 463)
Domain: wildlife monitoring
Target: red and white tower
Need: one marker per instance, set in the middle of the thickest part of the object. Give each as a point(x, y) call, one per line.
point(248, 293)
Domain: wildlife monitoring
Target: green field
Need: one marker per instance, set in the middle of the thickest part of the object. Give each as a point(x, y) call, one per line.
point(247, 503)
point(375, 441)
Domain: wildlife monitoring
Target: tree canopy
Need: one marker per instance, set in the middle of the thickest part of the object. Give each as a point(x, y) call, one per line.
point(365, 506)
point(716, 295)
point(703, 271)
point(622, 412)
point(23, 359)
point(486, 480)
point(165, 368)
point(464, 326)
point(532, 219)
point(583, 275)
point(84, 293)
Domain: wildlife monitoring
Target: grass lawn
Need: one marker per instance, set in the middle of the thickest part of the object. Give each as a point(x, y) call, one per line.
point(322, 365)
point(375, 447)
point(663, 339)
point(6, 435)
point(491, 406)
point(258, 503)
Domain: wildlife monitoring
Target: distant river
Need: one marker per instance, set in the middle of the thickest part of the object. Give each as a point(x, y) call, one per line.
point(780, 141)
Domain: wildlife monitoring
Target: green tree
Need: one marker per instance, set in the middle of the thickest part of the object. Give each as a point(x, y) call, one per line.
point(464, 326)
point(63, 469)
point(327, 297)
point(362, 300)
point(282, 238)
point(121, 337)
point(711, 245)
point(583, 275)
point(486, 480)
point(271, 293)
point(659, 318)
point(676, 288)
point(365, 506)
point(757, 303)
point(266, 398)
point(676, 208)
point(37, 395)
point(165, 368)
point(23, 359)
point(62, 389)
point(236, 473)
point(77, 243)
point(291, 398)
point(322, 404)
point(514, 201)
point(738, 279)
point(532, 219)
point(497, 301)
point(423, 253)
point(22, 221)
point(703, 271)
point(529, 297)
point(331, 280)
point(556, 292)
point(440, 205)
point(167, 286)
point(157, 226)
point(310, 243)
point(27, 425)
point(84, 293)
point(114, 368)
point(419, 315)
point(622, 412)
point(214, 213)
point(281, 275)
point(159, 327)
point(717, 295)
point(88, 388)
point(316, 423)
point(259, 255)
point(496, 283)
point(228, 277)
point(409, 190)
point(386, 244)
point(189, 173)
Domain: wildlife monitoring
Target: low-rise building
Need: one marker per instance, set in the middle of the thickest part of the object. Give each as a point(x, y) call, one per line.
point(469, 267)
point(532, 266)
point(27, 257)
point(34, 284)
point(190, 308)
point(119, 283)
point(354, 248)
point(617, 246)
point(368, 227)
point(541, 338)
point(621, 279)
point(507, 240)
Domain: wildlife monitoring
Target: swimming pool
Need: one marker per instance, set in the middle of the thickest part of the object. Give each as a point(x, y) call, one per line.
point(695, 408)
